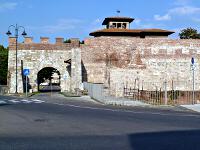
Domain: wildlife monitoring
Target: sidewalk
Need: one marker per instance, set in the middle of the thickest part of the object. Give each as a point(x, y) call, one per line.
point(123, 102)
point(195, 107)
point(110, 100)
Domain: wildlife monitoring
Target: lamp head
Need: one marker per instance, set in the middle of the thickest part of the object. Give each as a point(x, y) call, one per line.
point(8, 33)
point(24, 33)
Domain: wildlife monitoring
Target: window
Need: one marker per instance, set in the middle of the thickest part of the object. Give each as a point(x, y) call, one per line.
point(124, 26)
point(114, 25)
point(119, 25)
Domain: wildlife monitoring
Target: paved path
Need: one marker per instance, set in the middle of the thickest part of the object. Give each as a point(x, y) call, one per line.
point(195, 107)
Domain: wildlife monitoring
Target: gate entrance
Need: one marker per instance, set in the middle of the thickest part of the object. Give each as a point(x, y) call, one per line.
point(48, 80)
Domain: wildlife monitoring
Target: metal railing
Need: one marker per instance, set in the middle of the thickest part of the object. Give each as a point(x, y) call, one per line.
point(171, 95)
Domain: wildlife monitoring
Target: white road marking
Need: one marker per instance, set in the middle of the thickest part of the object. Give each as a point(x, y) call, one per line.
point(2, 102)
point(126, 111)
point(14, 101)
point(37, 101)
point(25, 101)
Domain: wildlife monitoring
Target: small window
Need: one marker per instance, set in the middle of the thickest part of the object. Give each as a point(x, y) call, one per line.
point(119, 25)
point(114, 25)
point(124, 26)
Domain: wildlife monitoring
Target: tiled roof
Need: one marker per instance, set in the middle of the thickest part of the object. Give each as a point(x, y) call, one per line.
point(130, 31)
point(156, 30)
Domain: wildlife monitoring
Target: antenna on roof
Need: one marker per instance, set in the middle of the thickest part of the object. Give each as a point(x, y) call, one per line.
point(118, 12)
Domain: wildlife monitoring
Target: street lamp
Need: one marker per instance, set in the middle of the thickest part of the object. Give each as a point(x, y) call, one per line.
point(16, 27)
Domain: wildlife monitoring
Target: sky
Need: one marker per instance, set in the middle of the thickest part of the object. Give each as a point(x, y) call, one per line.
point(77, 18)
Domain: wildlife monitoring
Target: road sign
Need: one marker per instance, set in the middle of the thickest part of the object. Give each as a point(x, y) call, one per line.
point(26, 72)
point(193, 79)
point(192, 60)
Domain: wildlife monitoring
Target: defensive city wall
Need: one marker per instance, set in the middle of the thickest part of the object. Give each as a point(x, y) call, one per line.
point(147, 63)
point(114, 61)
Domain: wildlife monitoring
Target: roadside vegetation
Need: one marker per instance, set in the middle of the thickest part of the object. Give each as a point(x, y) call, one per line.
point(3, 65)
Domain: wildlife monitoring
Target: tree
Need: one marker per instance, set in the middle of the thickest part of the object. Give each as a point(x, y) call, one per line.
point(3, 65)
point(189, 33)
point(46, 74)
point(67, 41)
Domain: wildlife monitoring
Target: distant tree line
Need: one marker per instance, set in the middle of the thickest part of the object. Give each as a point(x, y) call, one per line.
point(3, 65)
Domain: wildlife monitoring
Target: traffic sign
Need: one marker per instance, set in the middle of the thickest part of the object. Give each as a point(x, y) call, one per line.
point(26, 72)
point(192, 60)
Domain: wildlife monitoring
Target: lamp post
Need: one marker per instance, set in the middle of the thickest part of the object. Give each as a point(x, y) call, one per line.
point(193, 84)
point(16, 27)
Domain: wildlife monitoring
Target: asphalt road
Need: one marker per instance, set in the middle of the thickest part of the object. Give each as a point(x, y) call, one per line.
point(53, 122)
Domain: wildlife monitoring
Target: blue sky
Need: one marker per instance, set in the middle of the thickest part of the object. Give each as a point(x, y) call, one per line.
point(77, 18)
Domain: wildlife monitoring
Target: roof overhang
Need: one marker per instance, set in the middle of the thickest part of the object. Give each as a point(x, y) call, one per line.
point(131, 32)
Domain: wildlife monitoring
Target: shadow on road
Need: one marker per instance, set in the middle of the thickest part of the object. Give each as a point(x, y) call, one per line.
point(180, 140)
point(172, 140)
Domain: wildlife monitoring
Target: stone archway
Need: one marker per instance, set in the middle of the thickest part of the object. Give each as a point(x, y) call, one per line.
point(48, 80)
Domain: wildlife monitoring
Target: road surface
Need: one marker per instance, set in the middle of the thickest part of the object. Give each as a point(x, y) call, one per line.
point(54, 122)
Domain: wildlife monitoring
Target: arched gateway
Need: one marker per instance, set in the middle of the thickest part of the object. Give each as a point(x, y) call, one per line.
point(63, 57)
point(48, 79)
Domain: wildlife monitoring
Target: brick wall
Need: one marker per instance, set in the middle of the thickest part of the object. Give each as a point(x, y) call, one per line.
point(122, 59)
point(114, 61)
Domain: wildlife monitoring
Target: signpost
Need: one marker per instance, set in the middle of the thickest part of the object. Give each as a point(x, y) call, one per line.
point(193, 67)
point(26, 72)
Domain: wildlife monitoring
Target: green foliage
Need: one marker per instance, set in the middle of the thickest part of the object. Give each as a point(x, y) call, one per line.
point(189, 33)
point(81, 42)
point(67, 41)
point(46, 74)
point(3, 65)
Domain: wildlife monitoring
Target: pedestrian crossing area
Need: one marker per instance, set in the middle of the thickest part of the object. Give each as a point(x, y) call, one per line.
point(20, 101)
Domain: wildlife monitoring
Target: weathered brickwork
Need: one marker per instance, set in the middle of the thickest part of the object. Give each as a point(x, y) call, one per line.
point(124, 59)
point(115, 61)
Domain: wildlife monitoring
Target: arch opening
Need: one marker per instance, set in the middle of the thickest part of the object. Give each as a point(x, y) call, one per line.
point(48, 80)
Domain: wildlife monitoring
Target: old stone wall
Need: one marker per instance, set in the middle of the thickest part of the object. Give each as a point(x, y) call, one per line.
point(36, 56)
point(114, 61)
point(118, 61)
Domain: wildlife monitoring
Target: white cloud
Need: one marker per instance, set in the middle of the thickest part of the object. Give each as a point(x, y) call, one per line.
point(178, 11)
point(7, 5)
point(162, 18)
point(181, 2)
point(185, 10)
point(61, 26)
